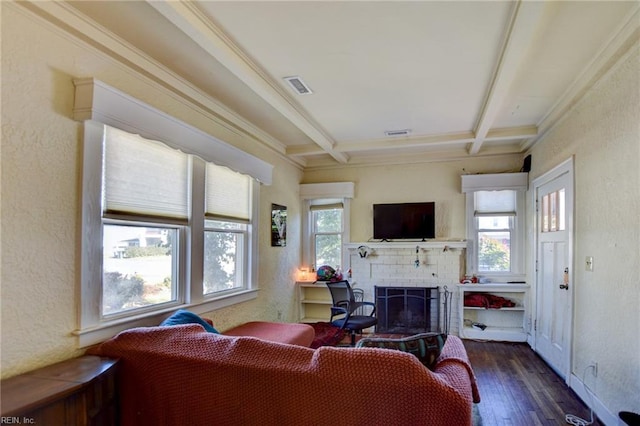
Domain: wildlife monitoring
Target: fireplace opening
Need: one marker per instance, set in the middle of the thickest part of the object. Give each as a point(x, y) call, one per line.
point(407, 310)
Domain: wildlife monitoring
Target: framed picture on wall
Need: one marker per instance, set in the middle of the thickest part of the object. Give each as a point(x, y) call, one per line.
point(278, 225)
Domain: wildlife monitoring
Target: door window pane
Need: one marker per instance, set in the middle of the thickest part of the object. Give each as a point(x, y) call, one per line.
point(553, 211)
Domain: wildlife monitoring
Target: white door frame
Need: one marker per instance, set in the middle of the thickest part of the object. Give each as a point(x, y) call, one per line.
point(562, 168)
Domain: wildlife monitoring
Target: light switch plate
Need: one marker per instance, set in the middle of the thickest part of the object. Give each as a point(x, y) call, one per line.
point(589, 264)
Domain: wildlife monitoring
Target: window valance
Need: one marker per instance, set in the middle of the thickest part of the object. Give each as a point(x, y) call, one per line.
point(310, 191)
point(94, 100)
point(495, 182)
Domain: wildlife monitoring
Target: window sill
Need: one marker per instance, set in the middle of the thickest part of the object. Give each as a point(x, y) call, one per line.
point(497, 278)
point(108, 329)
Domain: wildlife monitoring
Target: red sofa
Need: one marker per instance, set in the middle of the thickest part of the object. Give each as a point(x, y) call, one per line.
point(183, 375)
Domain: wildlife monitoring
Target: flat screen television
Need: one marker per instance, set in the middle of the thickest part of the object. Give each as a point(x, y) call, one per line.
point(402, 221)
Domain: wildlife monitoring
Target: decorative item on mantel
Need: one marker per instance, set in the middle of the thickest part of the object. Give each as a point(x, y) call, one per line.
point(470, 280)
point(364, 251)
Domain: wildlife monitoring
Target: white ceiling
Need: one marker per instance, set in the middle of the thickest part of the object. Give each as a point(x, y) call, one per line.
point(468, 79)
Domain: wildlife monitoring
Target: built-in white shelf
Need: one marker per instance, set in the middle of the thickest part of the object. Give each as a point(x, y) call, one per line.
point(314, 302)
point(504, 324)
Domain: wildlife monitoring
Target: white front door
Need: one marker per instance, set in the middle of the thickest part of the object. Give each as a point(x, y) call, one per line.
point(554, 282)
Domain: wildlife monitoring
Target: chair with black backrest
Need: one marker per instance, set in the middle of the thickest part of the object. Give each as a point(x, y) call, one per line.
point(347, 313)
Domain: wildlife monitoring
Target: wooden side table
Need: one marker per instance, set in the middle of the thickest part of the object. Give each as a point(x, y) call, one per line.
point(79, 391)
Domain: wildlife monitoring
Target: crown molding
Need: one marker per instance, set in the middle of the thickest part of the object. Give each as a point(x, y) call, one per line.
point(75, 26)
point(611, 54)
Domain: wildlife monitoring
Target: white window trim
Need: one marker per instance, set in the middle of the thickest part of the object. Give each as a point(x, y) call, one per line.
point(495, 182)
point(310, 193)
point(98, 104)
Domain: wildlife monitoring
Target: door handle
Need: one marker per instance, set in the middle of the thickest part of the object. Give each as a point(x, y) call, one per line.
point(565, 280)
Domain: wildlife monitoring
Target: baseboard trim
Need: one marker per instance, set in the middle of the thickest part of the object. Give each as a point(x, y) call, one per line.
point(590, 400)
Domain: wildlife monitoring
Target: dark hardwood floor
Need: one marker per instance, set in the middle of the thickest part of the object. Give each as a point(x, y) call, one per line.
point(518, 388)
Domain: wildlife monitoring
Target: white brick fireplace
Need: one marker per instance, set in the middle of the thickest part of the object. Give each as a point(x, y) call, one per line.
point(390, 264)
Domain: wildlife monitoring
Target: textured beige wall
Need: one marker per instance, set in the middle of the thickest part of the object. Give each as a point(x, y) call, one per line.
point(41, 177)
point(603, 135)
point(439, 182)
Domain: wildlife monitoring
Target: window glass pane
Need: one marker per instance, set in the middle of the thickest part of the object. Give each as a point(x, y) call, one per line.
point(328, 220)
point(328, 250)
point(138, 267)
point(545, 213)
point(494, 251)
point(553, 211)
point(494, 222)
point(219, 224)
point(223, 256)
point(561, 210)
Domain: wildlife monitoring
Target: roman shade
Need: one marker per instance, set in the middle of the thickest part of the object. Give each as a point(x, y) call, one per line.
point(144, 177)
point(228, 194)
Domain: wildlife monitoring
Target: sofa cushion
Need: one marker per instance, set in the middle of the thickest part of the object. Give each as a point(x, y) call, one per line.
point(290, 333)
point(425, 346)
point(182, 316)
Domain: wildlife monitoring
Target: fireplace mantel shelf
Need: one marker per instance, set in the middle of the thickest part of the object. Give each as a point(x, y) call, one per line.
point(424, 245)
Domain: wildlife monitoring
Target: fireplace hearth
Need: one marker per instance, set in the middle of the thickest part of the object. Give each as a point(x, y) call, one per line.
point(407, 310)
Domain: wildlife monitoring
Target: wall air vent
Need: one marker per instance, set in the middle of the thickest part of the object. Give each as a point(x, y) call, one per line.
point(298, 85)
point(393, 133)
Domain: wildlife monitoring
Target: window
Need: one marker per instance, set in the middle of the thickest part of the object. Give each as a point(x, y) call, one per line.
point(325, 223)
point(226, 236)
point(327, 229)
point(495, 225)
point(145, 217)
point(553, 214)
point(494, 229)
point(145, 187)
point(165, 225)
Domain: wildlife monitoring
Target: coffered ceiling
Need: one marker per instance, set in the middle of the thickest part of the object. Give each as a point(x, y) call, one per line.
point(463, 79)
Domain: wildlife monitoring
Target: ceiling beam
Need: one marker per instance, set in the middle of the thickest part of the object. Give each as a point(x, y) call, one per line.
point(191, 21)
point(508, 133)
point(520, 32)
point(520, 132)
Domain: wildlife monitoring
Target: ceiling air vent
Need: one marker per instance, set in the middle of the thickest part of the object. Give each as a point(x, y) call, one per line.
point(393, 133)
point(298, 85)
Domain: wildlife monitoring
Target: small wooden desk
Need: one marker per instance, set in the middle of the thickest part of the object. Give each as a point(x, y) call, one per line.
point(79, 391)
